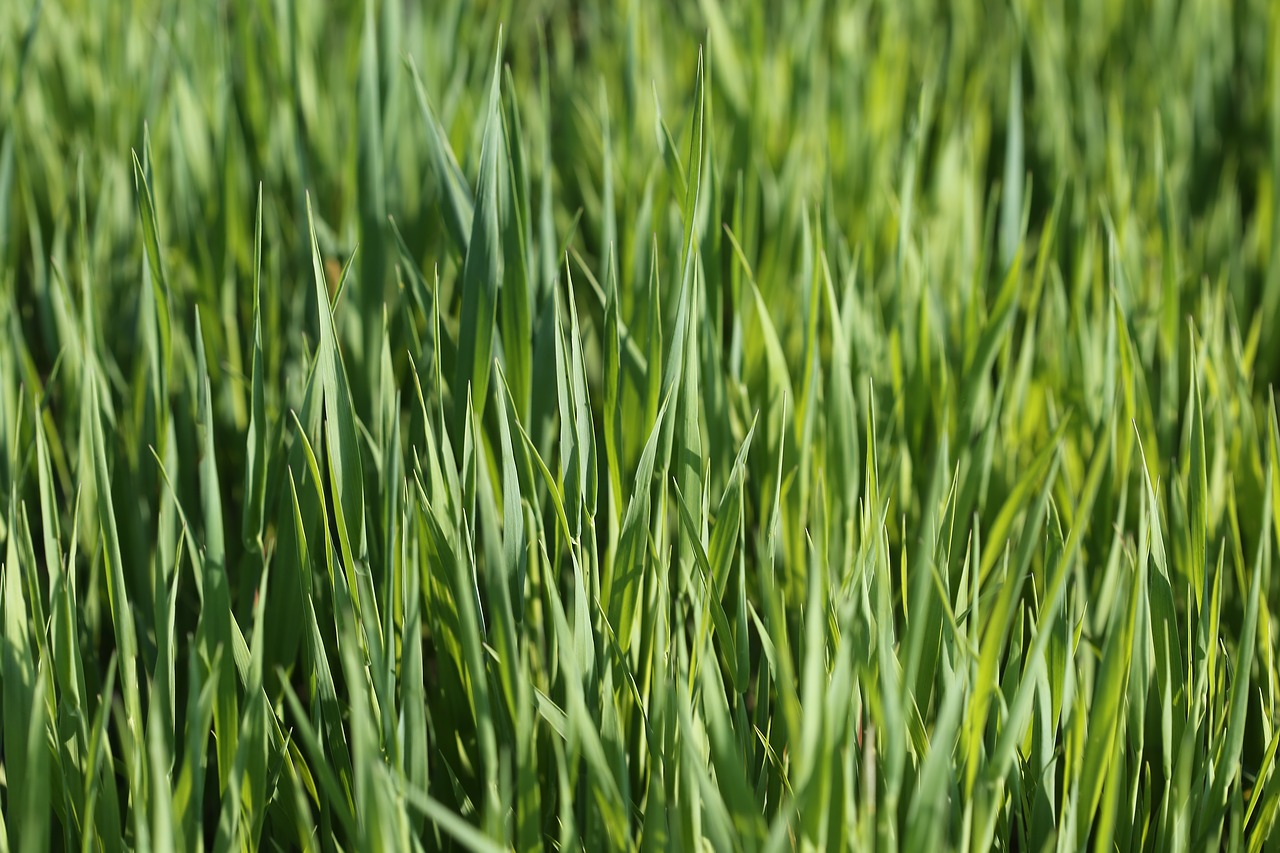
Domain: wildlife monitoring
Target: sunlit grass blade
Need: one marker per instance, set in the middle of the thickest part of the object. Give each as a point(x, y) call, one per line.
point(216, 617)
point(256, 458)
point(371, 168)
point(19, 674)
point(482, 272)
point(339, 410)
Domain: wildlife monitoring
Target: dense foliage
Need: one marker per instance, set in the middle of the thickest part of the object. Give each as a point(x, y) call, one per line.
point(639, 425)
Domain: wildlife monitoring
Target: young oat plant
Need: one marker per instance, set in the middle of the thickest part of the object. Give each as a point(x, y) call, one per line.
point(623, 426)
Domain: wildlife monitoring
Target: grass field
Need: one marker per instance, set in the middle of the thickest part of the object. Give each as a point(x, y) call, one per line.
point(639, 425)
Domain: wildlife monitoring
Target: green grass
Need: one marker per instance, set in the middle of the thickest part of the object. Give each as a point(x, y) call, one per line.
point(639, 425)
